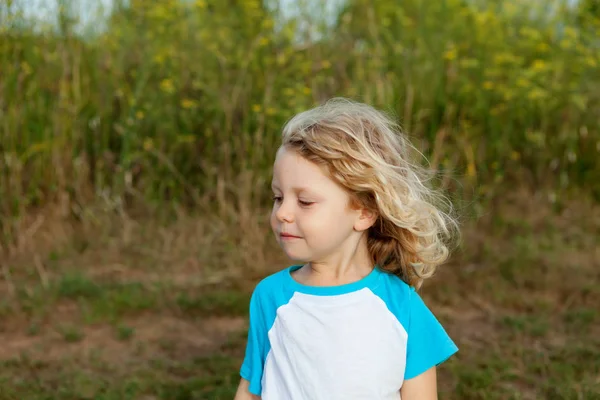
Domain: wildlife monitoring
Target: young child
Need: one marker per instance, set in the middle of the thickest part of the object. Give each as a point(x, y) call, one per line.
point(346, 323)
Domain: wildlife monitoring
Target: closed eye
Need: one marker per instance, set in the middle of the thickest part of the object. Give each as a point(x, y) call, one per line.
point(306, 203)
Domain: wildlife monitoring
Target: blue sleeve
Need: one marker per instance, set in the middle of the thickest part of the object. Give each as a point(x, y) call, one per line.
point(428, 343)
point(256, 347)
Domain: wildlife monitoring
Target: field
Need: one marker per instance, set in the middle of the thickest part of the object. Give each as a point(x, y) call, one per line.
point(145, 311)
point(135, 164)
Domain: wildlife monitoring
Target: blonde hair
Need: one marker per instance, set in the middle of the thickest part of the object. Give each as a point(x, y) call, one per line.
point(366, 152)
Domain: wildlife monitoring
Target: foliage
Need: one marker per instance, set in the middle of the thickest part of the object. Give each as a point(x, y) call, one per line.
point(182, 101)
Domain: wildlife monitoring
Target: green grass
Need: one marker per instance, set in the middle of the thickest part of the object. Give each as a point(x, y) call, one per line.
point(521, 307)
point(97, 301)
point(124, 332)
point(197, 379)
point(227, 302)
point(71, 334)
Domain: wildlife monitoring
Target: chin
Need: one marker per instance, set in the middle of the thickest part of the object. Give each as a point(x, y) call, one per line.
point(296, 256)
point(297, 251)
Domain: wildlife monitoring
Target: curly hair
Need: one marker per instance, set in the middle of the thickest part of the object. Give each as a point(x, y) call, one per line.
point(365, 151)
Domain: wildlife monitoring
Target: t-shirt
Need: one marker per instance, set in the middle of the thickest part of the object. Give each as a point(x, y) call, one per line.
point(355, 341)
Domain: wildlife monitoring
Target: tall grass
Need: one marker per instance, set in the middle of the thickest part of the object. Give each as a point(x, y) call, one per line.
point(182, 102)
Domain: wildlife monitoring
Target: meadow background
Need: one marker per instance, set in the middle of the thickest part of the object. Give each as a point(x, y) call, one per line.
point(135, 166)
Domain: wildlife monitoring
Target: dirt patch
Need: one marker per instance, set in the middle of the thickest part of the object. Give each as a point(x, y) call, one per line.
point(150, 335)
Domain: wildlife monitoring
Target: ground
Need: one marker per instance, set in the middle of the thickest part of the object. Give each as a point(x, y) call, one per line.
point(112, 308)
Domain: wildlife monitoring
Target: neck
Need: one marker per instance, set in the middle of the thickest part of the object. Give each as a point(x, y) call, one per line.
point(348, 265)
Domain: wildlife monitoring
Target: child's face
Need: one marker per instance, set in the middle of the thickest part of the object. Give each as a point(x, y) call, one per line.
point(311, 216)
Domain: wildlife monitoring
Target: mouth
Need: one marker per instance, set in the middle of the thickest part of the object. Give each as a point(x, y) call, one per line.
point(288, 236)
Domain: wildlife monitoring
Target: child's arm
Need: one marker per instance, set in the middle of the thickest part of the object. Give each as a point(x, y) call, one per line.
point(243, 393)
point(421, 387)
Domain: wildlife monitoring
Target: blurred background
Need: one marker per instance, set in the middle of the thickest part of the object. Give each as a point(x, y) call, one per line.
point(136, 140)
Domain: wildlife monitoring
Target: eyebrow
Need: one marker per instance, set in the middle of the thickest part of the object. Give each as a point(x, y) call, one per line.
point(295, 189)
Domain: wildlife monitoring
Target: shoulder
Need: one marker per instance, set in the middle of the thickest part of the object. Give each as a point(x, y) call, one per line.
point(392, 287)
point(272, 291)
point(396, 282)
point(400, 291)
point(399, 297)
point(271, 282)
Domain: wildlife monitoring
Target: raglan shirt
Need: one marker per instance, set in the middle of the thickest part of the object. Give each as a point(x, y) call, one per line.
point(355, 341)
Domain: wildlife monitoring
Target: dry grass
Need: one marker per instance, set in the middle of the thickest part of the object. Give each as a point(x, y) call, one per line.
point(152, 309)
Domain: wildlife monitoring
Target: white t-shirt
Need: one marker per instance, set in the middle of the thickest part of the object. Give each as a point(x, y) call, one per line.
point(355, 341)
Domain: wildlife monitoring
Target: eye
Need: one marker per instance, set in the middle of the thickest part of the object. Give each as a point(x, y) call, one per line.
point(305, 203)
point(277, 198)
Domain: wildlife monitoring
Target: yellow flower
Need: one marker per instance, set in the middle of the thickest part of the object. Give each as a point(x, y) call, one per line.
point(281, 58)
point(306, 67)
point(263, 41)
point(267, 23)
point(522, 82)
point(542, 47)
point(288, 91)
point(538, 65)
point(530, 33)
point(497, 110)
point(256, 108)
point(537, 94)
point(26, 68)
point(591, 62)
point(510, 8)
point(201, 3)
point(488, 85)
point(204, 34)
point(148, 144)
point(570, 32)
point(515, 155)
point(537, 138)
point(159, 59)
point(471, 171)
point(188, 104)
point(508, 95)
point(271, 111)
point(506, 58)
point(325, 64)
point(306, 90)
point(451, 54)
point(252, 4)
point(166, 85)
point(469, 63)
point(186, 139)
point(139, 114)
point(159, 12)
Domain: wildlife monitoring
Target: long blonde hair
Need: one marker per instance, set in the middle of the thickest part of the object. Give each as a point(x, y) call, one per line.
point(365, 151)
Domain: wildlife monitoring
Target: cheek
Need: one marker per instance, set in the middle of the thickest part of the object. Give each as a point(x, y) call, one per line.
point(324, 226)
point(273, 219)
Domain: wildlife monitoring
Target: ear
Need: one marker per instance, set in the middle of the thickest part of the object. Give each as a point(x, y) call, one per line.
point(365, 220)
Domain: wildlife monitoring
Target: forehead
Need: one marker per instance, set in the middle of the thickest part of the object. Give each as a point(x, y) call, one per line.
point(294, 170)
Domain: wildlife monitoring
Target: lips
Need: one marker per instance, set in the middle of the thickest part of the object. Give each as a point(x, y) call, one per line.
point(285, 235)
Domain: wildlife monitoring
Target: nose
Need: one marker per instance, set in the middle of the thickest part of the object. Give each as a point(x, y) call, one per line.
point(284, 213)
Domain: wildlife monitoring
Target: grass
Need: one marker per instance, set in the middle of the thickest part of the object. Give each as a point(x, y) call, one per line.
point(521, 302)
point(182, 102)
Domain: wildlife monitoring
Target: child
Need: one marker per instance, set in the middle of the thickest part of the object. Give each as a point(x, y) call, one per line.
point(347, 323)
